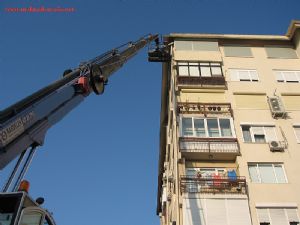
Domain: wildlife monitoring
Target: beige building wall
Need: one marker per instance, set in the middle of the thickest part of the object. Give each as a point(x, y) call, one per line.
point(249, 104)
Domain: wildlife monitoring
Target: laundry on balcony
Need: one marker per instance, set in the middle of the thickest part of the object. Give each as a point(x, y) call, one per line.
point(232, 175)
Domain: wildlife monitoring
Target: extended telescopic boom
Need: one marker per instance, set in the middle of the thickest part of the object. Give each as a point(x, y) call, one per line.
point(24, 124)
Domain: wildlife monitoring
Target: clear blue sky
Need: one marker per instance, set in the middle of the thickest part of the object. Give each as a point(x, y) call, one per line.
point(99, 165)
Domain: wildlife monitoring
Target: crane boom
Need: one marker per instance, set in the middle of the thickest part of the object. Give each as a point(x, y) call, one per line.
point(25, 123)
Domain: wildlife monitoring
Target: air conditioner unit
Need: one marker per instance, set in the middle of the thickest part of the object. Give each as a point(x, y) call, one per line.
point(276, 146)
point(276, 107)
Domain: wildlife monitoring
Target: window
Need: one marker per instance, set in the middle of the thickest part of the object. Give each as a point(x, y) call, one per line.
point(258, 134)
point(31, 218)
point(251, 101)
point(243, 75)
point(277, 215)
point(288, 76)
point(206, 127)
point(237, 51)
point(281, 52)
point(196, 46)
point(215, 211)
point(9, 205)
point(291, 102)
point(199, 69)
point(267, 173)
point(297, 132)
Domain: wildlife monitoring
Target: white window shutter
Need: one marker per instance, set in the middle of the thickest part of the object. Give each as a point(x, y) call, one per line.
point(270, 134)
point(263, 215)
point(298, 75)
point(244, 75)
point(278, 216)
point(253, 75)
point(216, 212)
point(193, 212)
point(290, 76)
point(238, 212)
point(292, 215)
point(234, 76)
point(279, 76)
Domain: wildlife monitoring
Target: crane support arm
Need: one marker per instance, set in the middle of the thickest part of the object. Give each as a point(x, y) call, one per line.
point(25, 123)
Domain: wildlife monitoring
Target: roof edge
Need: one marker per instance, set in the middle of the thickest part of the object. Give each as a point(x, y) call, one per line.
point(294, 25)
point(229, 36)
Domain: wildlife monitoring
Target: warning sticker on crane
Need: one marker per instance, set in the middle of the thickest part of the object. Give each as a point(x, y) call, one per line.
point(14, 129)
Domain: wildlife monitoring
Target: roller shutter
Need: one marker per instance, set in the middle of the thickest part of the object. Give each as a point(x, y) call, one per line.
point(291, 102)
point(218, 211)
point(251, 101)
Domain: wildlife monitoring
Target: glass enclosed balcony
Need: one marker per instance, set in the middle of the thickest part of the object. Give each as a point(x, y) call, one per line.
point(200, 74)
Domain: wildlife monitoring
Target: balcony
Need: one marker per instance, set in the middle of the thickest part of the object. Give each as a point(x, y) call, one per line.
point(209, 148)
point(205, 109)
point(200, 74)
point(201, 81)
point(214, 185)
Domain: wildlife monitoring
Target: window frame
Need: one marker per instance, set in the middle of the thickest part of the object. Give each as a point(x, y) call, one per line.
point(252, 134)
point(198, 65)
point(233, 134)
point(285, 208)
point(284, 80)
point(273, 170)
point(243, 70)
point(34, 211)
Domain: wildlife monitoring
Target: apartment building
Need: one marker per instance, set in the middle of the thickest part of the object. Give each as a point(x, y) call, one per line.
point(230, 130)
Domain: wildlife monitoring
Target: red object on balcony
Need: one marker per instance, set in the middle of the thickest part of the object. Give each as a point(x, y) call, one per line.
point(216, 180)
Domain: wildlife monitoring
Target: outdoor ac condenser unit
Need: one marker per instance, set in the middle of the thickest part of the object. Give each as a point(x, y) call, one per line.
point(276, 107)
point(276, 146)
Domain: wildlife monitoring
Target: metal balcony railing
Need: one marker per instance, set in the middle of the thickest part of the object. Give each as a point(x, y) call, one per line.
point(204, 108)
point(214, 184)
point(202, 81)
point(209, 145)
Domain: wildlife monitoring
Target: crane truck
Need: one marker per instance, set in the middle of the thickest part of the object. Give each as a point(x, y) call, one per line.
point(23, 127)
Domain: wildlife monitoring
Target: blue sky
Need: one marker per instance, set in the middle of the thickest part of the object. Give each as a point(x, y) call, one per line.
point(99, 165)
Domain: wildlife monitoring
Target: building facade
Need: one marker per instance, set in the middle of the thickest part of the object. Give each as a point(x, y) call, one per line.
point(230, 130)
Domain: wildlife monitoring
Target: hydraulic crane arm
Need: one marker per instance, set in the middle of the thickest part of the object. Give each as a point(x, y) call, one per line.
point(25, 123)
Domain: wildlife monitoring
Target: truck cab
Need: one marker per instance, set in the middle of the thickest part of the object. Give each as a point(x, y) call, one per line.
point(19, 209)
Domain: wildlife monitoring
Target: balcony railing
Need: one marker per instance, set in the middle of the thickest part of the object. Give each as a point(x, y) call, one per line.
point(202, 81)
point(209, 148)
point(204, 108)
point(217, 184)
